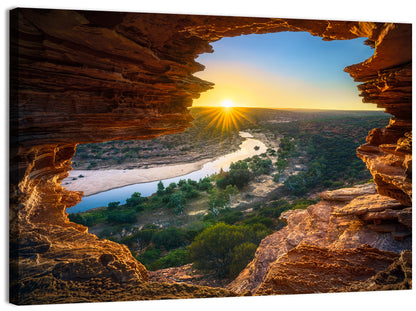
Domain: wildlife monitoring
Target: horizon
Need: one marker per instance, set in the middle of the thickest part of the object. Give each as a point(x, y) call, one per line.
point(283, 70)
point(285, 108)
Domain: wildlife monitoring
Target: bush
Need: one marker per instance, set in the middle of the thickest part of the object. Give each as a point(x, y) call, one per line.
point(242, 254)
point(122, 218)
point(212, 249)
point(136, 201)
point(141, 238)
point(225, 249)
point(239, 175)
point(169, 238)
point(266, 221)
point(77, 218)
point(175, 258)
point(176, 202)
point(230, 217)
point(149, 256)
point(113, 205)
point(276, 178)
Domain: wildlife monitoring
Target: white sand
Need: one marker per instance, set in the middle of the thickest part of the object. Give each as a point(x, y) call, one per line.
point(95, 181)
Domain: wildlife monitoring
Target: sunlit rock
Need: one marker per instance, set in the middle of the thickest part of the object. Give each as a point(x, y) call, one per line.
point(85, 76)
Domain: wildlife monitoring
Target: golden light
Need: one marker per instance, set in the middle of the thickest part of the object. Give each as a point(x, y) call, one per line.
point(226, 119)
point(227, 103)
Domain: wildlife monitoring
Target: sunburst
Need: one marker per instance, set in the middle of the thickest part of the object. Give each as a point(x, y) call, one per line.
point(227, 118)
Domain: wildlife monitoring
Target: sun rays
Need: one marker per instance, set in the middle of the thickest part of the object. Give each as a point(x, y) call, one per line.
point(227, 118)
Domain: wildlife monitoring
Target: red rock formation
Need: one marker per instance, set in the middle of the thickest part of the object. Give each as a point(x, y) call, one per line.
point(338, 226)
point(397, 276)
point(186, 274)
point(84, 76)
point(296, 271)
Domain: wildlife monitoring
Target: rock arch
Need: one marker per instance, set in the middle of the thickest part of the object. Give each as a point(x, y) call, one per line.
point(85, 76)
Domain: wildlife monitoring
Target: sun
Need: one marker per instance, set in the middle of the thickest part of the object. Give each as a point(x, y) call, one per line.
point(227, 103)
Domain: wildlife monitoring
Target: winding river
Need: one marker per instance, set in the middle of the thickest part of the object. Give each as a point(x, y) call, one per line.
point(247, 149)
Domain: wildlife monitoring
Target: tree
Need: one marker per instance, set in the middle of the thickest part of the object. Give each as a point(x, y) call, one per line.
point(125, 218)
point(217, 199)
point(177, 202)
point(260, 166)
point(281, 164)
point(113, 205)
point(204, 184)
point(160, 188)
point(212, 250)
point(169, 238)
point(169, 189)
point(230, 191)
point(136, 200)
point(239, 175)
point(242, 254)
point(77, 218)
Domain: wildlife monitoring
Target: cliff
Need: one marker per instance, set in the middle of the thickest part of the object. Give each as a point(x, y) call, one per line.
point(350, 235)
point(85, 76)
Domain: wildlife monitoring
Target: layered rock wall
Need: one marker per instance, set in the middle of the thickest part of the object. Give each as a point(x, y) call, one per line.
point(349, 236)
point(85, 76)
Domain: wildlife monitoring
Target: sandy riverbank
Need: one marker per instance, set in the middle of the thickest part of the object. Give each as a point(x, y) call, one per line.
point(95, 181)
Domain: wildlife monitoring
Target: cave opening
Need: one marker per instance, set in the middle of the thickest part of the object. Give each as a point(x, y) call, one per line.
point(310, 126)
point(88, 112)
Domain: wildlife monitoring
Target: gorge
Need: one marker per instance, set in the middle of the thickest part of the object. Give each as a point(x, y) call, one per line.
point(87, 76)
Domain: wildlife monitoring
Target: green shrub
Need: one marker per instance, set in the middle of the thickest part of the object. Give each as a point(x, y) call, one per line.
point(113, 206)
point(175, 258)
point(241, 255)
point(149, 256)
point(169, 238)
point(225, 249)
point(77, 218)
point(176, 202)
point(122, 218)
point(266, 221)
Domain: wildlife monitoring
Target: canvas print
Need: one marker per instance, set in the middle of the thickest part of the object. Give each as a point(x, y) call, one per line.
point(158, 156)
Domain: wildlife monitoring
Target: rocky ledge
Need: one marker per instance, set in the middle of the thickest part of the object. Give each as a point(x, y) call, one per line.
point(349, 236)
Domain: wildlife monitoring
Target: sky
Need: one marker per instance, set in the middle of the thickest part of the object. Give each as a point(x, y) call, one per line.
point(283, 70)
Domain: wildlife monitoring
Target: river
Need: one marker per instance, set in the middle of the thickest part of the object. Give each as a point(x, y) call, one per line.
point(247, 149)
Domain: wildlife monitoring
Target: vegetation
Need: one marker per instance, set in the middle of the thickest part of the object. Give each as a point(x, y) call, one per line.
point(224, 240)
point(225, 249)
point(159, 248)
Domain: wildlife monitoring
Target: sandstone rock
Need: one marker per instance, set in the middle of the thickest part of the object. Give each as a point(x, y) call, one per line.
point(311, 269)
point(335, 225)
point(85, 76)
point(186, 274)
point(347, 194)
point(397, 276)
point(365, 204)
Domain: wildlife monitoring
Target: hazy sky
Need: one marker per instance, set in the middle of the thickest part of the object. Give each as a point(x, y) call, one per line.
point(283, 70)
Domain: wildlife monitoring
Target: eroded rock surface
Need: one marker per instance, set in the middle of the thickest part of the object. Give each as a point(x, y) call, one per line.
point(85, 76)
point(346, 222)
point(395, 277)
point(312, 269)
